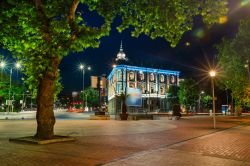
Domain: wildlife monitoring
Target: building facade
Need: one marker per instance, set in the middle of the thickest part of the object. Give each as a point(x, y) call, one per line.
point(153, 83)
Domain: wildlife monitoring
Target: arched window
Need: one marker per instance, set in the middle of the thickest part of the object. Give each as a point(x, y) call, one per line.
point(131, 76)
point(162, 79)
point(152, 77)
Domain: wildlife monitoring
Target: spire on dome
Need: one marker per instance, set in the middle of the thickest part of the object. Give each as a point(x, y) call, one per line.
point(121, 55)
point(121, 46)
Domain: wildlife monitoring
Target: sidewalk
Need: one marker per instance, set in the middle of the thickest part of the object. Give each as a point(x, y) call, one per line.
point(189, 141)
point(229, 147)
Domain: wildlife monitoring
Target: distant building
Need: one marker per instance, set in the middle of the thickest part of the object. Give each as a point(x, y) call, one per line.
point(153, 83)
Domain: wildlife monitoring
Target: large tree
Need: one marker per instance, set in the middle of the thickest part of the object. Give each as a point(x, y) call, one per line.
point(90, 96)
point(41, 33)
point(234, 61)
point(188, 93)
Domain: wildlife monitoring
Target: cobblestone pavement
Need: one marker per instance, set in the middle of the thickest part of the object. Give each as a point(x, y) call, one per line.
point(189, 141)
point(231, 144)
point(230, 147)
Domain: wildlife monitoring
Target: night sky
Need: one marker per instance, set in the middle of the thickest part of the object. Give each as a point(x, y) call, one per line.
point(146, 52)
point(157, 53)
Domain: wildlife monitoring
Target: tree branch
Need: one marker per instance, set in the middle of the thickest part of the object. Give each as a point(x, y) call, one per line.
point(73, 10)
point(45, 21)
point(71, 18)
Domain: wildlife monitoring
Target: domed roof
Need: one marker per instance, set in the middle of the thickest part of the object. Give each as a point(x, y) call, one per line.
point(121, 55)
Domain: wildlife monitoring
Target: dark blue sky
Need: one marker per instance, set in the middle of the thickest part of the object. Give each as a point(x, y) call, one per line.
point(144, 51)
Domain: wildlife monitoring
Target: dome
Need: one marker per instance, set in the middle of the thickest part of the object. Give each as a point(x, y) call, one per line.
point(121, 55)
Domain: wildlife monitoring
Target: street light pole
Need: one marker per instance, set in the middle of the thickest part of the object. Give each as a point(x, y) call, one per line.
point(199, 100)
point(212, 74)
point(82, 67)
point(248, 69)
point(9, 91)
point(83, 73)
point(213, 103)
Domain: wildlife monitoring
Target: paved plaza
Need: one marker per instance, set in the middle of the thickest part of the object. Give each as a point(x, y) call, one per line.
point(189, 141)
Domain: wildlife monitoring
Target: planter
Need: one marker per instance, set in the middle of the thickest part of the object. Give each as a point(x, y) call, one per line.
point(99, 113)
point(124, 116)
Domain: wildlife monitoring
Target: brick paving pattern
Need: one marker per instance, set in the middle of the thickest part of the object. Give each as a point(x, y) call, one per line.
point(160, 142)
point(231, 144)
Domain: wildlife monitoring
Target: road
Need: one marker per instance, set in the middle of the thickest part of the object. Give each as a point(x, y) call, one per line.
point(32, 115)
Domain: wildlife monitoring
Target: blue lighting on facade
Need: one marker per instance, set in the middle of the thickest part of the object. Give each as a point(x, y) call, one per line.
point(143, 69)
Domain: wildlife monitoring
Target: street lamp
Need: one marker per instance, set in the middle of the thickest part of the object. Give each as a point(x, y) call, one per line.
point(247, 66)
point(199, 100)
point(16, 66)
point(83, 68)
point(212, 74)
point(2, 66)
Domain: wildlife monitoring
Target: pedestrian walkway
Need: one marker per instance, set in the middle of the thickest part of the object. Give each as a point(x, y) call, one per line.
point(189, 141)
point(229, 147)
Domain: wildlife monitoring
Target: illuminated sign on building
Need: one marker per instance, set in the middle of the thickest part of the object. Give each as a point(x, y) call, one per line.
point(134, 97)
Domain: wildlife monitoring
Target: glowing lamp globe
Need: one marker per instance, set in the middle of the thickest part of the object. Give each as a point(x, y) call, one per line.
point(81, 67)
point(18, 65)
point(212, 73)
point(2, 64)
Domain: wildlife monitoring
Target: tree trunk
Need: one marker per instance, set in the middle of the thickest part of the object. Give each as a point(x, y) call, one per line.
point(45, 102)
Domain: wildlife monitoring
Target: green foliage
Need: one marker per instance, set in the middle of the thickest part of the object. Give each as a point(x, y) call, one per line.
point(59, 88)
point(206, 101)
point(4, 91)
point(234, 58)
point(91, 95)
point(15, 94)
point(155, 18)
point(188, 93)
point(16, 88)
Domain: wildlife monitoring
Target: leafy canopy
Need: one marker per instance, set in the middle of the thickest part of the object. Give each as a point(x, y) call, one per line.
point(206, 101)
point(234, 58)
point(188, 93)
point(38, 32)
point(91, 96)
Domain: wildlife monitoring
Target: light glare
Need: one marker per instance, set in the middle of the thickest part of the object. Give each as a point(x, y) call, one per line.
point(18, 65)
point(212, 73)
point(2, 64)
point(81, 66)
point(223, 19)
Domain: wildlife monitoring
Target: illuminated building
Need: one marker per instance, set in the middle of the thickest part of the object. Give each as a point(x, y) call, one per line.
point(154, 85)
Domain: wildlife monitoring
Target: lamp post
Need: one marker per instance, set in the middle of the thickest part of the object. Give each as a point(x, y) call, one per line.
point(2, 65)
point(247, 65)
point(16, 66)
point(212, 74)
point(83, 68)
point(199, 100)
